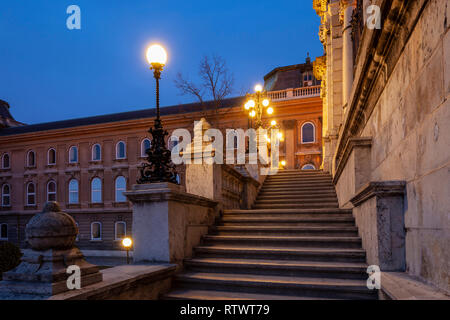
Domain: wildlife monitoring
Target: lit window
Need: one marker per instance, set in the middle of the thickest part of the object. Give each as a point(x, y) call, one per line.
point(120, 230)
point(145, 145)
point(96, 190)
point(3, 231)
point(308, 167)
point(6, 195)
point(96, 152)
point(96, 231)
point(73, 154)
point(73, 191)
point(121, 185)
point(51, 191)
point(51, 156)
point(120, 150)
point(308, 133)
point(31, 194)
point(5, 161)
point(31, 159)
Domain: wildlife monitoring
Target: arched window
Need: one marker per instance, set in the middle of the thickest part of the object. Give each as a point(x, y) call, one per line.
point(31, 159)
point(121, 184)
point(31, 194)
point(96, 190)
point(121, 150)
point(308, 133)
point(5, 161)
point(96, 152)
point(73, 154)
point(51, 191)
point(145, 145)
point(308, 167)
point(6, 195)
point(172, 142)
point(3, 231)
point(96, 231)
point(120, 230)
point(73, 191)
point(51, 156)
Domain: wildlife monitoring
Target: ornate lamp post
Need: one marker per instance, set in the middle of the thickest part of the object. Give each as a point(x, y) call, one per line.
point(159, 167)
point(256, 103)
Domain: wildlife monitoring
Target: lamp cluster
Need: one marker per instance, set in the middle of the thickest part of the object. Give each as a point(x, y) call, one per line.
point(256, 103)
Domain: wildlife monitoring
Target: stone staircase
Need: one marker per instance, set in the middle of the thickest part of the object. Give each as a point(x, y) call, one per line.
point(294, 244)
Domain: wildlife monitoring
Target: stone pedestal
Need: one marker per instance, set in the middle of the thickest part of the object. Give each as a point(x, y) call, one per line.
point(379, 214)
point(42, 272)
point(167, 221)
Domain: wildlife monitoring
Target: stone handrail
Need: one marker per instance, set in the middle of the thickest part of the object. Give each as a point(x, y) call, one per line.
point(295, 93)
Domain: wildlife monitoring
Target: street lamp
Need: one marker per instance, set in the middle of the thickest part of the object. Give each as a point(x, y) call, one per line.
point(159, 167)
point(127, 243)
point(256, 103)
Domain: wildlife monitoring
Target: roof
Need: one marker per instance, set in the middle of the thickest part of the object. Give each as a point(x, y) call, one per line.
point(123, 116)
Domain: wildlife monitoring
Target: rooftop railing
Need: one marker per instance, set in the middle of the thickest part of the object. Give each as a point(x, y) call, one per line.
point(294, 93)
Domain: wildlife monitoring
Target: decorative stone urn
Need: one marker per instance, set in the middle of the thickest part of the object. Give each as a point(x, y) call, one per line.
point(42, 272)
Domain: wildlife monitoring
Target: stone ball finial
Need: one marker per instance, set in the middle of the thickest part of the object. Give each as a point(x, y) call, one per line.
point(51, 229)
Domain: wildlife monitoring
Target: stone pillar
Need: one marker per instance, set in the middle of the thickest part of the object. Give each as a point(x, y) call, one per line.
point(42, 272)
point(379, 213)
point(290, 141)
point(346, 12)
point(167, 221)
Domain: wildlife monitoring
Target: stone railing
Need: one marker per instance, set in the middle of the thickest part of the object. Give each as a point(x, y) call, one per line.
point(232, 188)
point(294, 93)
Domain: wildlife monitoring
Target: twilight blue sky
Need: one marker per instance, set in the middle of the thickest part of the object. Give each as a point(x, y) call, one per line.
point(50, 73)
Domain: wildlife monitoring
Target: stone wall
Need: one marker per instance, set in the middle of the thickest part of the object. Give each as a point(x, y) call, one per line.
point(406, 112)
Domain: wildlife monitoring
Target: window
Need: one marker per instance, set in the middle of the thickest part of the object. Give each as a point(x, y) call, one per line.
point(3, 231)
point(96, 231)
point(96, 152)
point(120, 150)
point(172, 142)
point(73, 154)
point(5, 161)
point(120, 230)
point(51, 191)
point(6, 195)
point(121, 184)
point(145, 145)
point(308, 133)
point(308, 167)
point(51, 156)
point(96, 190)
point(31, 159)
point(31, 194)
point(73, 191)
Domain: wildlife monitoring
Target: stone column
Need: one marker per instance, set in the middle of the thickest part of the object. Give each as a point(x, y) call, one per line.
point(167, 221)
point(290, 141)
point(346, 12)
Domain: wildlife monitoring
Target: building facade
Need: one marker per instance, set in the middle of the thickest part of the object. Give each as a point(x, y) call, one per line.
point(385, 89)
point(85, 164)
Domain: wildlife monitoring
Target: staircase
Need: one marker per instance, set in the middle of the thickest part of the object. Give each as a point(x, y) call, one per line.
point(295, 244)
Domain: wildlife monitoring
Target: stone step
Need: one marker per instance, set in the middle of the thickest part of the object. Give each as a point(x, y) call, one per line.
point(318, 212)
point(286, 230)
point(295, 201)
point(192, 294)
point(298, 193)
point(316, 186)
point(284, 241)
point(319, 269)
point(293, 206)
point(316, 196)
point(267, 284)
point(276, 253)
point(291, 180)
point(288, 221)
point(316, 189)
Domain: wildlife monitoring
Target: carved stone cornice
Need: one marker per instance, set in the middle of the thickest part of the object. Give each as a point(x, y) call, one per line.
point(379, 189)
point(351, 144)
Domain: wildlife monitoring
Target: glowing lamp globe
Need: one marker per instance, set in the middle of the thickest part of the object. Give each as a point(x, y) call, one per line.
point(127, 242)
point(252, 113)
point(156, 54)
point(258, 88)
point(283, 163)
point(270, 110)
point(251, 103)
point(279, 135)
point(265, 102)
point(273, 123)
point(247, 106)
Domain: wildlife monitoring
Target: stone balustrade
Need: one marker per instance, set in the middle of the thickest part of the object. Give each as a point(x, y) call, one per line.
point(295, 93)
